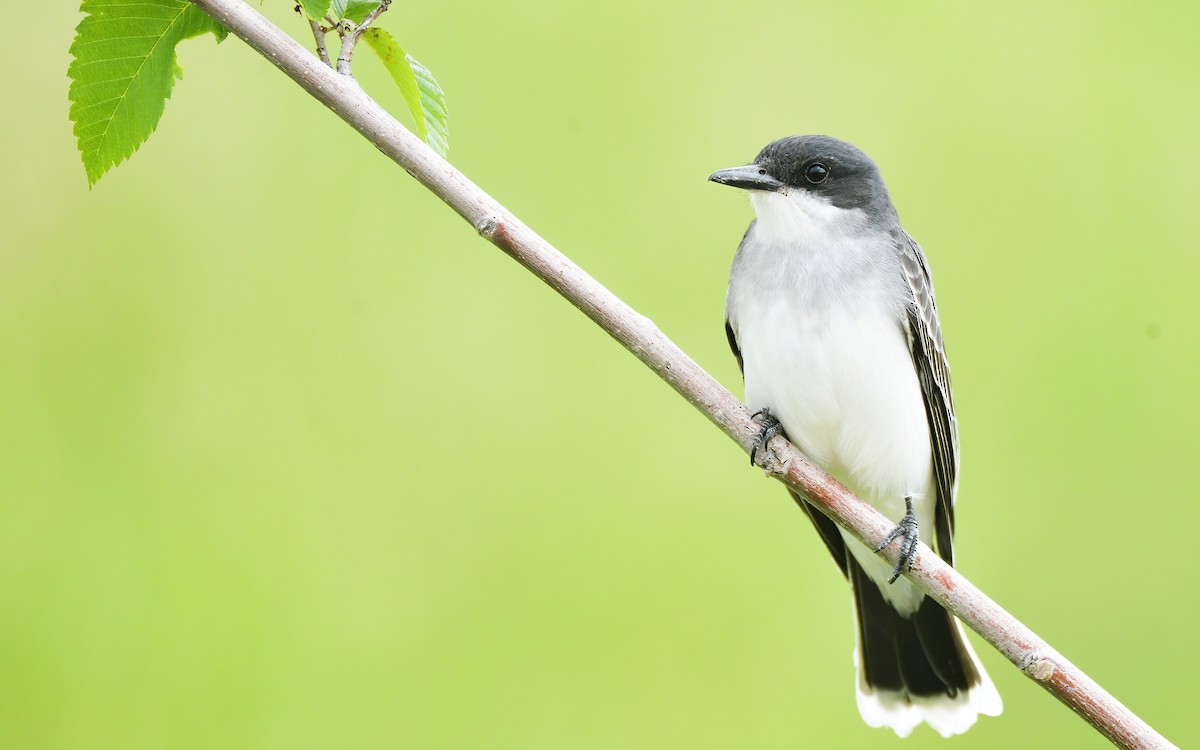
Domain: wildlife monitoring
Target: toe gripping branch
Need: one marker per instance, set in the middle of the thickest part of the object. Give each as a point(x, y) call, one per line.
point(910, 532)
point(769, 429)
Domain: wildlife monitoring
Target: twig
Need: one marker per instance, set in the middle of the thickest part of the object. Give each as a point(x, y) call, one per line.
point(350, 39)
point(319, 34)
point(639, 334)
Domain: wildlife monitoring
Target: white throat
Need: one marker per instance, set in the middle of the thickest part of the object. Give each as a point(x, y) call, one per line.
point(798, 217)
point(806, 250)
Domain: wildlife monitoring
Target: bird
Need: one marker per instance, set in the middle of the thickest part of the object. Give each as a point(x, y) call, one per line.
point(831, 316)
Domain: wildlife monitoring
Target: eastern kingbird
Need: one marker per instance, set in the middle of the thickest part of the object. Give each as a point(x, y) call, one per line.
point(831, 317)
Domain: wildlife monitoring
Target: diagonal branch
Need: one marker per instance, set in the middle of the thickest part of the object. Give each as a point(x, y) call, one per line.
point(640, 336)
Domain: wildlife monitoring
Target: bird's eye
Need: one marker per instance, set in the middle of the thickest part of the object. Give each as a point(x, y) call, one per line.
point(816, 173)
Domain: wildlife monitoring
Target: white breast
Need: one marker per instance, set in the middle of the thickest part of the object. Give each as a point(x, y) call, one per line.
point(816, 302)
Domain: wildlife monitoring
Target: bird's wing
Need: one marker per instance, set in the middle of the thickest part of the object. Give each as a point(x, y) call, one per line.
point(826, 528)
point(929, 357)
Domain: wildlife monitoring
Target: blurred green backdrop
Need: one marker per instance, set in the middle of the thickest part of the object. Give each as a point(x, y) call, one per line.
point(290, 459)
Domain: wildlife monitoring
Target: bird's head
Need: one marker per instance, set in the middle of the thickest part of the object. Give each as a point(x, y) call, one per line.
point(830, 170)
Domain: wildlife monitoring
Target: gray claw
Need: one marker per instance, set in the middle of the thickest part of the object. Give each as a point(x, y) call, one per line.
point(910, 531)
point(770, 428)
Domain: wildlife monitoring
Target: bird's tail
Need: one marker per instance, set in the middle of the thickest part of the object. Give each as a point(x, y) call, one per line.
point(916, 668)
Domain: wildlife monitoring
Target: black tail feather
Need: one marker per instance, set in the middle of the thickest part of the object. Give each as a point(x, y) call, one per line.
point(920, 656)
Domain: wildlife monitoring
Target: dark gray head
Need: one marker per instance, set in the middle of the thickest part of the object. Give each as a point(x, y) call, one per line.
point(824, 166)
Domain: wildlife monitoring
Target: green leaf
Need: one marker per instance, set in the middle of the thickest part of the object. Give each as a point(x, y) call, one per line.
point(123, 71)
point(338, 9)
point(315, 9)
point(357, 10)
point(418, 87)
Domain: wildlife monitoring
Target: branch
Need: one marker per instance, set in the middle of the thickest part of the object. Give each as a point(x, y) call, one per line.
point(640, 336)
point(350, 39)
point(319, 35)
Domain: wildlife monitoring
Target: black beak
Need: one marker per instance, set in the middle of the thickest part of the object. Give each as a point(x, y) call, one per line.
point(750, 177)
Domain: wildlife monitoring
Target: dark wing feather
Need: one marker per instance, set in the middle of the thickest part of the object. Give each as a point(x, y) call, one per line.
point(826, 528)
point(828, 531)
point(733, 346)
point(929, 358)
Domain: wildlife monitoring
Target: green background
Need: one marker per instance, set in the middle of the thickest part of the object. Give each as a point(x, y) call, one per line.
point(289, 458)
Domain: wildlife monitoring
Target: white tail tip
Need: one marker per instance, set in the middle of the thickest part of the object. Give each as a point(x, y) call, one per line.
point(945, 715)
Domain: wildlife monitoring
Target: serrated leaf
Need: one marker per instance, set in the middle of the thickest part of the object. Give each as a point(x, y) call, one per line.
point(315, 9)
point(420, 89)
point(338, 9)
point(357, 10)
point(123, 71)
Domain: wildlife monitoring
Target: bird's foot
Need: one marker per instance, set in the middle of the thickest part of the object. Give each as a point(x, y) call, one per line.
point(769, 429)
point(908, 531)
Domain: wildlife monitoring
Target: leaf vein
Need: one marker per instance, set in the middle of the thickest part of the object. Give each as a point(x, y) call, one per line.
point(77, 45)
point(79, 65)
point(77, 109)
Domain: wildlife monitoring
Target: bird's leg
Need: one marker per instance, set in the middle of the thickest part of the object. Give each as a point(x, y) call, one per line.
point(908, 530)
point(769, 429)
